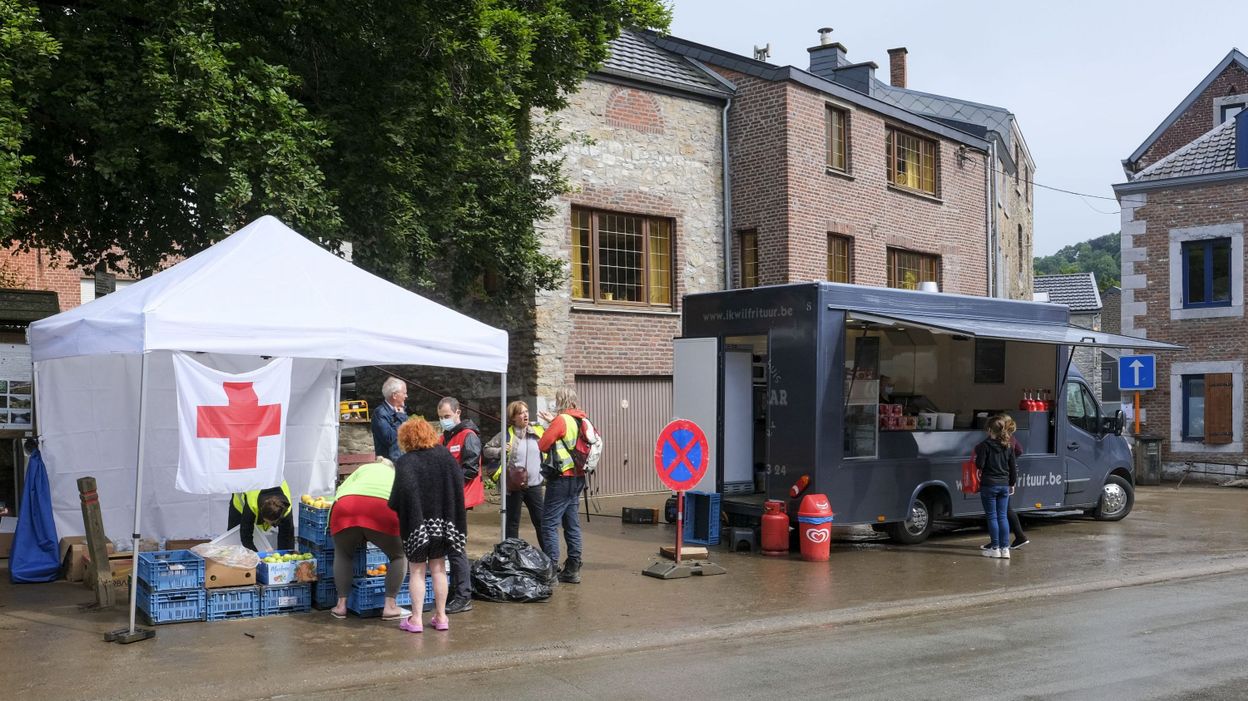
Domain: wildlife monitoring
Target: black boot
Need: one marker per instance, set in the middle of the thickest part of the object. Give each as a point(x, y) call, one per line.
point(571, 572)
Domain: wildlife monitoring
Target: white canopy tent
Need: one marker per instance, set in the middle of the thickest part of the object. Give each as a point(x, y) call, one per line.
point(104, 387)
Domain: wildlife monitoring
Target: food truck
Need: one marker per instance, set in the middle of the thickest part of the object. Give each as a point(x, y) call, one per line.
point(875, 397)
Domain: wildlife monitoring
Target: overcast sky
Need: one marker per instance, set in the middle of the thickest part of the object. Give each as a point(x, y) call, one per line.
point(1088, 81)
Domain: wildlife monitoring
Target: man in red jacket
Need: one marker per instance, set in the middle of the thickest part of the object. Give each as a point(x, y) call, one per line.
point(463, 439)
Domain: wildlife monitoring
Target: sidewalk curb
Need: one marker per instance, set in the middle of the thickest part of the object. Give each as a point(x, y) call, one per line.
point(473, 662)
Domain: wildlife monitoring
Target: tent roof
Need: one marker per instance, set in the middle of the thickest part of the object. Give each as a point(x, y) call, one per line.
point(267, 290)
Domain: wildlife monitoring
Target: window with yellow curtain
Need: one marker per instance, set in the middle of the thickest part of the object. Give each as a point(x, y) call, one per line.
point(749, 259)
point(621, 258)
point(906, 269)
point(839, 263)
point(911, 161)
point(838, 139)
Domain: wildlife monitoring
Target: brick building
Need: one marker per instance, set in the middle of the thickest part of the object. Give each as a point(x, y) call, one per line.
point(1183, 211)
point(836, 176)
point(1080, 294)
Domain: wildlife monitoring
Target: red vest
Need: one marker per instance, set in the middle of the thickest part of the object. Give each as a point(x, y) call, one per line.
point(474, 491)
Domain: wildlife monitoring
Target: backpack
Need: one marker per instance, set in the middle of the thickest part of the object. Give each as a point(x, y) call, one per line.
point(587, 452)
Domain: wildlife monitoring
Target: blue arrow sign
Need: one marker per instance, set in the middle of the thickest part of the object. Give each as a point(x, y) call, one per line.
point(1137, 372)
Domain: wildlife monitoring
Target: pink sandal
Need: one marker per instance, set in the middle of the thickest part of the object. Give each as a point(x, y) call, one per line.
point(411, 624)
point(444, 624)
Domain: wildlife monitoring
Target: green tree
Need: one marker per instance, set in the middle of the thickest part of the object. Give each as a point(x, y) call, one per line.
point(1101, 256)
point(26, 54)
point(403, 126)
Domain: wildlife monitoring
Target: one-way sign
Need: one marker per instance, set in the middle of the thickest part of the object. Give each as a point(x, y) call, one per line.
point(1137, 372)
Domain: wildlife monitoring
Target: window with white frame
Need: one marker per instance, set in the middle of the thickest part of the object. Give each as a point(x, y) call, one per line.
point(1207, 406)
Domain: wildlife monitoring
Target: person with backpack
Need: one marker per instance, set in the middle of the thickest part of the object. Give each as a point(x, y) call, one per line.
point(571, 438)
point(463, 439)
point(998, 471)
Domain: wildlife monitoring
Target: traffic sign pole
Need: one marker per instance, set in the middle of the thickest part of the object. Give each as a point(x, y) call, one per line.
point(681, 454)
point(1136, 412)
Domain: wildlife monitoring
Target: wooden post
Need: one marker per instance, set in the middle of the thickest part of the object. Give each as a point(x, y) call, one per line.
point(97, 544)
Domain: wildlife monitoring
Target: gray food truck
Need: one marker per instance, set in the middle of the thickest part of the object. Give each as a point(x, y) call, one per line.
point(876, 396)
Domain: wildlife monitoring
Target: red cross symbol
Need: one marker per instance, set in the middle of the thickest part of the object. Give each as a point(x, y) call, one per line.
point(243, 421)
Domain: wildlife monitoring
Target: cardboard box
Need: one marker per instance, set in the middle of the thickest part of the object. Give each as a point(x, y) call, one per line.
point(6, 544)
point(218, 574)
point(120, 566)
point(73, 551)
point(285, 572)
point(183, 544)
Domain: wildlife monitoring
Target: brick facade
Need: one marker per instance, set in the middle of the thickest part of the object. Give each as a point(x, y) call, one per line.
point(783, 190)
point(40, 270)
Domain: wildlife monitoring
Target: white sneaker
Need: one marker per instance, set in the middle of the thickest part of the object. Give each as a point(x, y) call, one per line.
point(1003, 553)
point(990, 552)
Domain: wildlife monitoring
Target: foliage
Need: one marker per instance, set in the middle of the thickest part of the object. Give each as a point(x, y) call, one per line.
point(26, 53)
point(1102, 256)
point(402, 126)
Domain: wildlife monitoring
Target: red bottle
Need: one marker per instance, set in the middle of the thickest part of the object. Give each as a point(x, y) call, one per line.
point(1024, 404)
point(775, 528)
point(799, 486)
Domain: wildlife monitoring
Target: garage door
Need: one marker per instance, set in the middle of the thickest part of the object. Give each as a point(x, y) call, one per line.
point(630, 412)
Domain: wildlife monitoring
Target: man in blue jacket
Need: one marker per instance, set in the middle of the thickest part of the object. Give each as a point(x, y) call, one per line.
point(387, 418)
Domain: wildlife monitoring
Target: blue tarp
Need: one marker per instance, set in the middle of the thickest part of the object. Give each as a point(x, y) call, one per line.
point(35, 556)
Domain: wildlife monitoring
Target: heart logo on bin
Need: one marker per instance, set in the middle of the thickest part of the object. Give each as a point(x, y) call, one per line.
point(818, 535)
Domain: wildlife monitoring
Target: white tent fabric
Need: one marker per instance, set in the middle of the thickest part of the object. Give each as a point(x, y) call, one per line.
point(264, 291)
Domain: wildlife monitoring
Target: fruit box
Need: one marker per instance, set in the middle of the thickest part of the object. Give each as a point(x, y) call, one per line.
point(285, 572)
point(219, 574)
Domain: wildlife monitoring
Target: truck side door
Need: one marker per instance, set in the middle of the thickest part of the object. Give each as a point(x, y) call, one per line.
point(1082, 448)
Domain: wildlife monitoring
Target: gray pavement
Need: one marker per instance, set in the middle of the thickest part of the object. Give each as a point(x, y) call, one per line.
point(52, 648)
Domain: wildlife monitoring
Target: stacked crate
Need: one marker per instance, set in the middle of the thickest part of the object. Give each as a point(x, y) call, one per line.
point(367, 595)
point(228, 603)
point(171, 586)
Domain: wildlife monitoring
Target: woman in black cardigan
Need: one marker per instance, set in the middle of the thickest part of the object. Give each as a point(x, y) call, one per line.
point(428, 496)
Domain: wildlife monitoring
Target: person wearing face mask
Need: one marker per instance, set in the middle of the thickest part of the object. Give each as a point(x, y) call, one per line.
point(463, 439)
point(886, 389)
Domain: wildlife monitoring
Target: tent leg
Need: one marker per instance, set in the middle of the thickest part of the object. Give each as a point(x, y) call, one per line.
point(132, 634)
point(502, 475)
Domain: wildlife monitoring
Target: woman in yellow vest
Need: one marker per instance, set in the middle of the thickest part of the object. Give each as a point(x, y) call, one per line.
point(522, 452)
point(264, 509)
point(362, 514)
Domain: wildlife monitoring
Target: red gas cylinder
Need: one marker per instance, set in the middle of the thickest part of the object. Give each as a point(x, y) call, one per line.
point(775, 528)
point(814, 522)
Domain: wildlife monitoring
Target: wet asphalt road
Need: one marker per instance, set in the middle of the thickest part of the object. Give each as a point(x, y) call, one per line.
point(1184, 639)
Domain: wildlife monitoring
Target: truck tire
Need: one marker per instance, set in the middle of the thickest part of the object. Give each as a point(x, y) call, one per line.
point(917, 526)
point(1117, 498)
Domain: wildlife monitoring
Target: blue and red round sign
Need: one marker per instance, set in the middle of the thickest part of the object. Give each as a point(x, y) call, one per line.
point(681, 454)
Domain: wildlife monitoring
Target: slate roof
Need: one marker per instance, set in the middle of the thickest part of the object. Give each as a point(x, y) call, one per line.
point(1213, 152)
point(1077, 291)
point(947, 108)
point(634, 57)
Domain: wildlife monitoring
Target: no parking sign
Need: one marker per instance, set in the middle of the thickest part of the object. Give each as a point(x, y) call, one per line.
point(680, 455)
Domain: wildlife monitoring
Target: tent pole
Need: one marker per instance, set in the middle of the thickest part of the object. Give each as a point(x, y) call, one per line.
point(132, 635)
point(502, 475)
point(333, 487)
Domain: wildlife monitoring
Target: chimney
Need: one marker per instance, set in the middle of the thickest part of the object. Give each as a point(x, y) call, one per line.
point(827, 56)
point(1241, 139)
point(897, 67)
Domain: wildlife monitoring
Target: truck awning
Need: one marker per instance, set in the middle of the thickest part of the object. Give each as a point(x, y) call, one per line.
point(1024, 331)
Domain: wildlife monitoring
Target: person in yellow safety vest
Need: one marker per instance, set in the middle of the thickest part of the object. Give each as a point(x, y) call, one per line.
point(522, 453)
point(362, 514)
point(564, 486)
point(264, 509)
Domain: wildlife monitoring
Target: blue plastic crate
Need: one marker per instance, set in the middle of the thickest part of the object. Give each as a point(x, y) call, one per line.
point(171, 606)
point(701, 518)
point(366, 557)
point(324, 594)
point(288, 598)
point(232, 602)
point(170, 570)
point(368, 596)
point(314, 526)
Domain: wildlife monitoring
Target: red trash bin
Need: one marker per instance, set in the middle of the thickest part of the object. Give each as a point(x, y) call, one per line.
point(814, 520)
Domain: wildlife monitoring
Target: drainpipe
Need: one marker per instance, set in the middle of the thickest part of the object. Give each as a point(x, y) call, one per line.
point(991, 220)
point(727, 198)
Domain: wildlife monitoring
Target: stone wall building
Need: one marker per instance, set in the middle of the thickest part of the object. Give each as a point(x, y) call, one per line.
point(1183, 211)
point(1078, 292)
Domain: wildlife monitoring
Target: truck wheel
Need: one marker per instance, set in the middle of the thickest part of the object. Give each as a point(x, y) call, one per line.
point(1117, 498)
point(916, 528)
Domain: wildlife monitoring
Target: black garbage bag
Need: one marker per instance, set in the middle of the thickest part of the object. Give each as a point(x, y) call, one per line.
point(514, 571)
